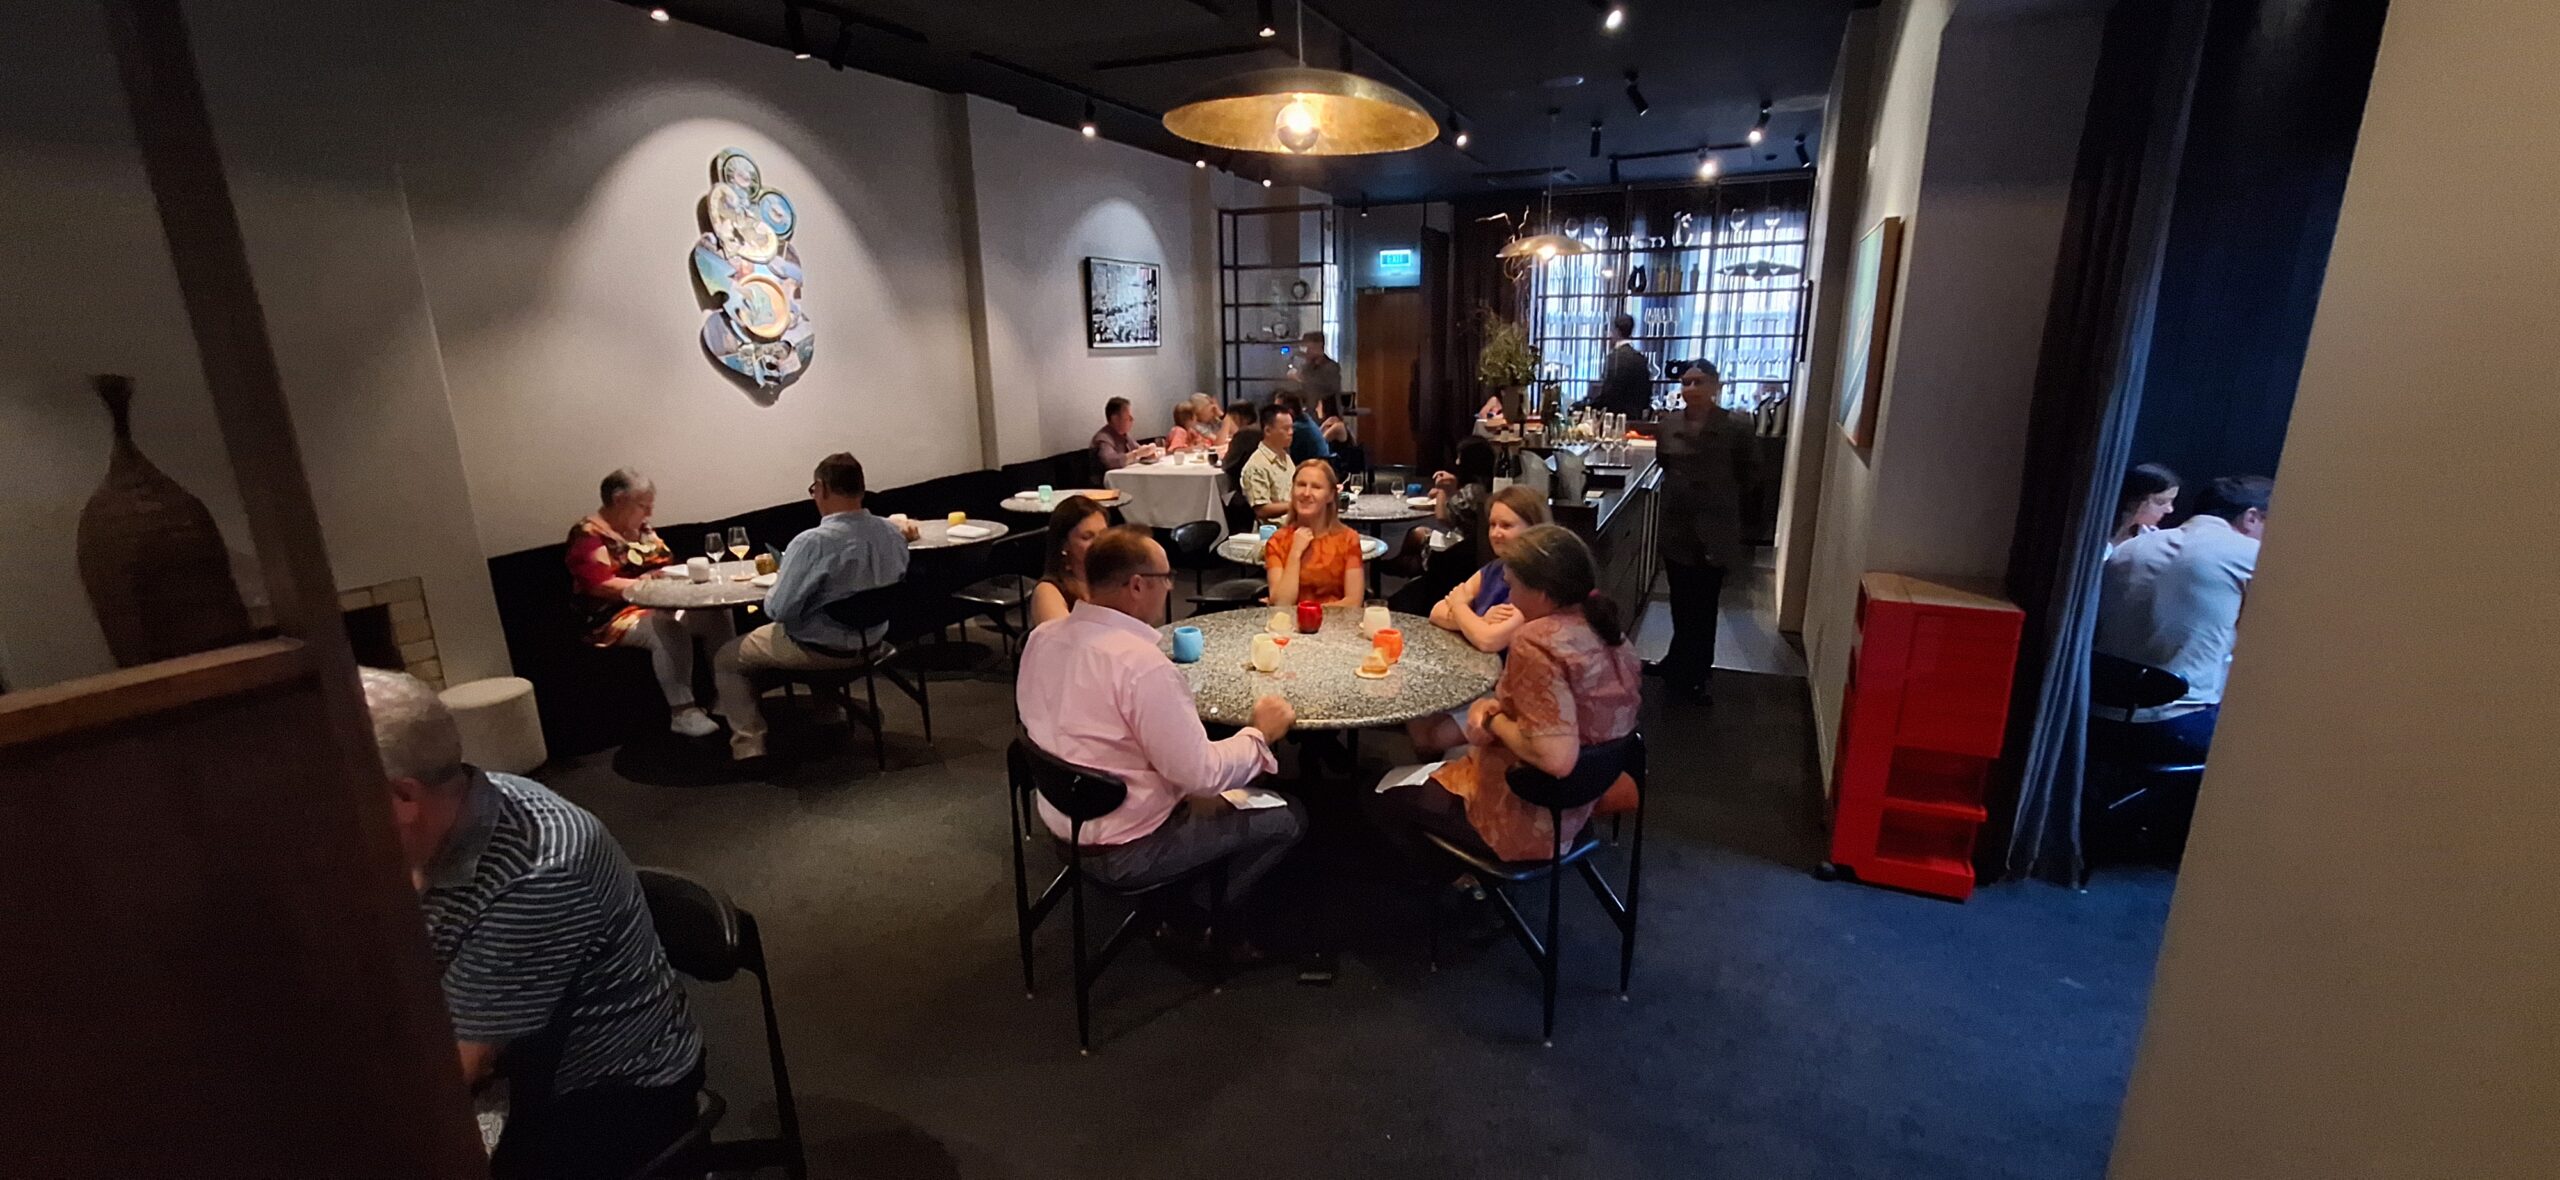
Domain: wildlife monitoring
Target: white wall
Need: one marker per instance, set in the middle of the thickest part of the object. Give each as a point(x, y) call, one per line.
point(472, 245)
point(1046, 200)
point(2362, 970)
point(1974, 145)
point(554, 156)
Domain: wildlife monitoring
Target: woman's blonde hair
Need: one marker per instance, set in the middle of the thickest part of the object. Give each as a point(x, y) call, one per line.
point(1332, 506)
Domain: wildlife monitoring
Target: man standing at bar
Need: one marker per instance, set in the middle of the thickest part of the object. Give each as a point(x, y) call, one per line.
point(1626, 378)
point(1706, 457)
point(1315, 377)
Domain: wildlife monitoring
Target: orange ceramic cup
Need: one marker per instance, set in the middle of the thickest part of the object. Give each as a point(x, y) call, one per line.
point(1391, 642)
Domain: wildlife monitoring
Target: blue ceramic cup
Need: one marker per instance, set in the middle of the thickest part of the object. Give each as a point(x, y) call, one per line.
point(1186, 645)
point(1265, 531)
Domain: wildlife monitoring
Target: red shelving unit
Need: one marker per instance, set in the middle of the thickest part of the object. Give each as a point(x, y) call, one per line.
point(1922, 721)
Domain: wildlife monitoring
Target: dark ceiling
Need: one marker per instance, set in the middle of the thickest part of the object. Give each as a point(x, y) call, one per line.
point(1705, 66)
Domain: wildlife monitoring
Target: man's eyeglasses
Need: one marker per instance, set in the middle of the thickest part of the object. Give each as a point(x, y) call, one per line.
point(1167, 575)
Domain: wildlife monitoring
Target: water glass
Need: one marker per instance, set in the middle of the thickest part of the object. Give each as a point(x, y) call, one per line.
point(711, 545)
point(1047, 493)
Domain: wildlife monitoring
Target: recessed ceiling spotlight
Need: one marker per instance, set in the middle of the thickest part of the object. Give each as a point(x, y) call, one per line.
point(1266, 182)
point(1616, 19)
point(659, 15)
point(800, 57)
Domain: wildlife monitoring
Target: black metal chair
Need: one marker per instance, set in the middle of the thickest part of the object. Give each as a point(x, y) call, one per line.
point(682, 1158)
point(2130, 765)
point(1230, 594)
point(871, 612)
point(710, 939)
point(1597, 767)
point(1194, 547)
point(1082, 796)
point(1003, 598)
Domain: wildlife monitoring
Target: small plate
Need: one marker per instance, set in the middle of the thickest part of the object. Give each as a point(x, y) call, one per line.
point(764, 581)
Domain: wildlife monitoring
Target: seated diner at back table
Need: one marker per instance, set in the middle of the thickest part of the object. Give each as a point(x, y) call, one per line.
point(1314, 556)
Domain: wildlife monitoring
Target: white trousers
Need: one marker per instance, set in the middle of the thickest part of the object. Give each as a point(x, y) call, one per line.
point(669, 636)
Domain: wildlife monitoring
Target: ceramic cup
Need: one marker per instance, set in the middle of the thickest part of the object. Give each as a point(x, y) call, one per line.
point(698, 568)
point(959, 518)
point(1390, 643)
point(1375, 619)
point(1265, 531)
point(1187, 642)
point(1047, 493)
point(1266, 653)
point(1279, 623)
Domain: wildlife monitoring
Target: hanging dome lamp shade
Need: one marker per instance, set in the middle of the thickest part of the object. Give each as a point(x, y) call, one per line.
point(1301, 111)
point(1543, 246)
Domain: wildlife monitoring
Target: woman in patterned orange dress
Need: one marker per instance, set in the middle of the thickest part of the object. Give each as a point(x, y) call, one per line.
point(1314, 555)
point(1571, 681)
point(613, 547)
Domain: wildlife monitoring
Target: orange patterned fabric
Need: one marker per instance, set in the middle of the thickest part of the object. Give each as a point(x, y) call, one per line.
point(1328, 563)
point(598, 555)
point(1559, 679)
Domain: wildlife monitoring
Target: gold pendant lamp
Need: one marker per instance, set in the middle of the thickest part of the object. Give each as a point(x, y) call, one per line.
point(1303, 111)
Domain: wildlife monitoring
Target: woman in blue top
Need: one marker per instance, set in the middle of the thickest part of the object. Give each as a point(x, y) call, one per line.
point(1480, 608)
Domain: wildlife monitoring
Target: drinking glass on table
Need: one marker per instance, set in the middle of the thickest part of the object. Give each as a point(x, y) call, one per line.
point(738, 541)
point(711, 545)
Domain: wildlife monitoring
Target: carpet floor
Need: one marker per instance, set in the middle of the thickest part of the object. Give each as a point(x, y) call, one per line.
point(1778, 1027)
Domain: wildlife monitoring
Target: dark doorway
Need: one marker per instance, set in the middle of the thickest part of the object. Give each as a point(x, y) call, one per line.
point(1389, 361)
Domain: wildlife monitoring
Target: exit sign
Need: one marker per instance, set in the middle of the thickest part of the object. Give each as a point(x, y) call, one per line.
point(1398, 264)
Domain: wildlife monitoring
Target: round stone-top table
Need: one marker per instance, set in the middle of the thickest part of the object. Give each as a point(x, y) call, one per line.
point(733, 583)
point(1029, 502)
point(936, 533)
point(1246, 548)
point(1382, 508)
point(1439, 672)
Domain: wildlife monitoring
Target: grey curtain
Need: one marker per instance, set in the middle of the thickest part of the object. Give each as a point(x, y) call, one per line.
point(2080, 430)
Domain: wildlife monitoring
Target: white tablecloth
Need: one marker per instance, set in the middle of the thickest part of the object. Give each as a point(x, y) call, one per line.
point(1162, 495)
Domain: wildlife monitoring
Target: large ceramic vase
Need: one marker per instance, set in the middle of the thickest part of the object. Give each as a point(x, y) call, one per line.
point(155, 566)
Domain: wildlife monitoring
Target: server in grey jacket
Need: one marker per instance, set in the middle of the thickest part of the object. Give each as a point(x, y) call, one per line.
point(1707, 456)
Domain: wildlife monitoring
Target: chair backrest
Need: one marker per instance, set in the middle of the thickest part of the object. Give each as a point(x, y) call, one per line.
point(2119, 683)
point(870, 608)
point(1078, 793)
point(1598, 766)
point(696, 923)
point(1018, 552)
point(1196, 538)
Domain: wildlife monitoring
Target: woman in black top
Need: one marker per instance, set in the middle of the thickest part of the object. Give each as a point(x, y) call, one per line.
point(1073, 525)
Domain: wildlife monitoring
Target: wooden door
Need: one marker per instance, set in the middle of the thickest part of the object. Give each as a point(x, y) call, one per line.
point(211, 959)
point(1389, 362)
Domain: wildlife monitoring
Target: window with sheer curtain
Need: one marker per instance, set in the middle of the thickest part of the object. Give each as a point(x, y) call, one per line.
point(1713, 272)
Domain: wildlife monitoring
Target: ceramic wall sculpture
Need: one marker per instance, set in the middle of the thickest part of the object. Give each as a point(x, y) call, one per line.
point(756, 326)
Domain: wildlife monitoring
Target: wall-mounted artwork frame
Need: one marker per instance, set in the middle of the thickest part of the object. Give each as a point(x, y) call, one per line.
point(1123, 303)
point(1867, 330)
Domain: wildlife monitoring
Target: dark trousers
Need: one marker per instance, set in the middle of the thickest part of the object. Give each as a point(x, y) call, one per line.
point(2187, 736)
point(595, 1133)
point(1695, 592)
point(1197, 833)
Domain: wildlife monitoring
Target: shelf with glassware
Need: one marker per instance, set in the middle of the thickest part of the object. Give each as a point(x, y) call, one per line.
point(1266, 303)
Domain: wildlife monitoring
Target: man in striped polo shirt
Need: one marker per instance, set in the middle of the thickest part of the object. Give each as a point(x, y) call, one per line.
point(552, 969)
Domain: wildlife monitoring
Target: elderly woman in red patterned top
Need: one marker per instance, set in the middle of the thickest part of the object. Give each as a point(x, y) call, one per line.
point(610, 549)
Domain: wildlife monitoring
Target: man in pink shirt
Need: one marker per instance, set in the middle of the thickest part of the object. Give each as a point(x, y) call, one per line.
point(1095, 690)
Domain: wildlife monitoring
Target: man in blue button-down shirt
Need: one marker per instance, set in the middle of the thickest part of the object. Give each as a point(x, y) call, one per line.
point(849, 552)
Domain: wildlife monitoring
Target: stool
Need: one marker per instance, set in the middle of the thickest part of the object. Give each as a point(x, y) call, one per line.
point(501, 728)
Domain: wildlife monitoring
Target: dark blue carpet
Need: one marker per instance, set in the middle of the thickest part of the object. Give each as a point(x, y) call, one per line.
point(1780, 1026)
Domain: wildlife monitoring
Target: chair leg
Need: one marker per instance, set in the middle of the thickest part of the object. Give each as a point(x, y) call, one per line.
point(1021, 887)
point(1218, 923)
point(1553, 962)
point(786, 1108)
point(1084, 986)
point(1635, 887)
point(879, 724)
point(924, 702)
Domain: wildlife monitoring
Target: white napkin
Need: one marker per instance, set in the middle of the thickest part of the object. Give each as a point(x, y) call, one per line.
point(1408, 776)
point(1253, 798)
point(966, 532)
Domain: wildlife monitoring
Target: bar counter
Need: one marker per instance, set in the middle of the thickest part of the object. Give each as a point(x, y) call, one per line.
point(1617, 519)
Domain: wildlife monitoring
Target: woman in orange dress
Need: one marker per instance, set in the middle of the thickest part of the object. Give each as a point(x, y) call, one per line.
point(1571, 681)
point(1315, 556)
point(609, 550)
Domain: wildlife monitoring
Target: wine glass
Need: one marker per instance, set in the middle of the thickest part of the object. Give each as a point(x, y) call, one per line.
point(711, 545)
point(738, 541)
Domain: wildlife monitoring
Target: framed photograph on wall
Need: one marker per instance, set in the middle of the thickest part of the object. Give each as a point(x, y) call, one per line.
point(1123, 304)
point(1866, 331)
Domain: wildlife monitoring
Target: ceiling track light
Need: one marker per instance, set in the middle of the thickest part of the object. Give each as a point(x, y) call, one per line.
point(1595, 139)
point(659, 15)
point(1459, 128)
point(1635, 97)
point(795, 32)
point(1613, 17)
point(1761, 128)
point(1804, 159)
point(1706, 165)
point(1268, 28)
point(843, 47)
point(1089, 127)
point(1199, 163)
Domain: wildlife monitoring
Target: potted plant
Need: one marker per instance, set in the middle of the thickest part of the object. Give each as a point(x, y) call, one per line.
point(1507, 363)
